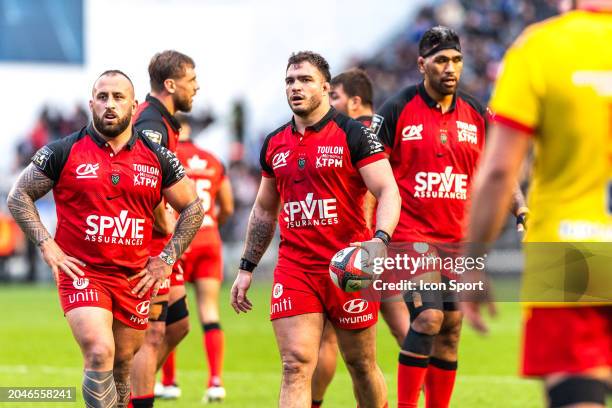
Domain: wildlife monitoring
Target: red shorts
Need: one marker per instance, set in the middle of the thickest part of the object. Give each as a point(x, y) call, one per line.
point(567, 339)
point(296, 292)
point(110, 291)
point(203, 262)
point(177, 278)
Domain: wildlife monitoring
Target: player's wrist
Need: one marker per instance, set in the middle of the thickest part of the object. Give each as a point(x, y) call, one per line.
point(167, 258)
point(43, 242)
point(383, 236)
point(246, 265)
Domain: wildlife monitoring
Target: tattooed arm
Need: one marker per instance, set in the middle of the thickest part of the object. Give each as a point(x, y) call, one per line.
point(260, 232)
point(182, 197)
point(31, 185)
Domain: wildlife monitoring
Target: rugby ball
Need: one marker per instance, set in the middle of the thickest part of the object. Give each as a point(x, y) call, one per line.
point(349, 271)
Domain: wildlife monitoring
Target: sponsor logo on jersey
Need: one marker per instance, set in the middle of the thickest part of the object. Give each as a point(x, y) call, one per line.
point(143, 307)
point(441, 185)
point(310, 212)
point(87, 171)
point(282, 305)
point(139, 320)
point(80, 283)
point(90, 295)
point(373, 141)
point(467, 132)
point(120, 230)
point(356, 319)
point(153, 135)
point(355, 306)
point(42, 157)
point(145, 175)
point(412, 132)
point(329, 156)
point(277, 291)
point(280, 159)
point(376, 124)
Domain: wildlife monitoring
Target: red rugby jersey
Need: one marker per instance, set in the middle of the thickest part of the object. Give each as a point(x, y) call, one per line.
point(161, 127)
point(434, 158)
point(207, 172)
point(104, 201)
point(320, 188)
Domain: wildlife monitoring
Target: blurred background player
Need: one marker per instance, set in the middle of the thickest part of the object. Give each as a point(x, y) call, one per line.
point(96, 261)
point(352, 94)
point(173, 85)
point(433, 128)
point(319, 166)
point(555, 89)
point(202, 263)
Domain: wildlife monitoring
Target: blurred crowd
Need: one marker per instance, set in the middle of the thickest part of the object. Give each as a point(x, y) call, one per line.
point(486, 28)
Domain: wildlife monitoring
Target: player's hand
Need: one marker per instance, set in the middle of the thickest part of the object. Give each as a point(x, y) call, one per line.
point(521, 219)
point(152, 276)
point(238, 297)
point(53, 255)
point(472, 301)
point(375, 248)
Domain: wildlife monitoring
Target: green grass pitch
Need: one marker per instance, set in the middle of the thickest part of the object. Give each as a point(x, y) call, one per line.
point(37, 349)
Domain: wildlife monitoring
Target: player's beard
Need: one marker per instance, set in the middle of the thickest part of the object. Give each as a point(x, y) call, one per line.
point(182, 104)
point(111, 131)
point(306, 109)
point(439, 87)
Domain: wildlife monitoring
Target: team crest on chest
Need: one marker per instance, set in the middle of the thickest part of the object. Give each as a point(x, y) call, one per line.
point(115, 179)
point(301, 162)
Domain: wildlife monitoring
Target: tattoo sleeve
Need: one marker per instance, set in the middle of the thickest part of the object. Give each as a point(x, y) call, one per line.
point(260, 232)
point(188, 224)
point(31, 185)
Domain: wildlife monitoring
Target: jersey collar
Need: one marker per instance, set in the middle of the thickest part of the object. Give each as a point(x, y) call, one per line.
point(176, 126)
point(101, 142)
point(320, 124)
point(430, 101)
point(364, 118)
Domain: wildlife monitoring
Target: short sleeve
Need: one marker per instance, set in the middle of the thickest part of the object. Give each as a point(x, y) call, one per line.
point(515, 100)
point(385, 122)
point(364, 145)
point(266, 169)
point(154, 130)
point(172, 169)
point(50, 159)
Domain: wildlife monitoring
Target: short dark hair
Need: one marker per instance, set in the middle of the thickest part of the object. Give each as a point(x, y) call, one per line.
point(438, 38)
point(112, 72)
point(167, 64)
point(355, 82)
point(315, 59)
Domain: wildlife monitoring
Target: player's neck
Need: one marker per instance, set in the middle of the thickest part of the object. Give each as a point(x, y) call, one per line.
point(117, 143)
point(445, 101)
point(166, 100)
point(302, 122)
point(361, 111)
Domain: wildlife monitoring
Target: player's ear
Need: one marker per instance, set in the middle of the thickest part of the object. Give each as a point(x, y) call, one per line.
point(421, 64)
point(170, 85)
point(355, 101)
point(91, 105)
point(326, 88)
point(134, 106)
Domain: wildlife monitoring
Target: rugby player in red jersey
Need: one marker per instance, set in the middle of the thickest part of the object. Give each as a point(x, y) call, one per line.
point(106, 181)
point(202, 263)
point(316, 170)
point(173, 86)
point(352, 94)
point(435, 134)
